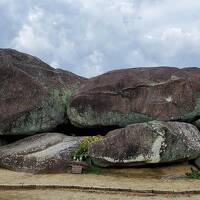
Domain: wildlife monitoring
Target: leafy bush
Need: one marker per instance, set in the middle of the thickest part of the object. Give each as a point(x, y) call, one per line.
point(81, 153)
point(93, 170)
point(193, 174)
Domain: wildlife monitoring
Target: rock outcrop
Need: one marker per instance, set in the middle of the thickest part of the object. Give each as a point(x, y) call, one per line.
point(147, 143)
point(42, 153)
point(36, 98)
point(33, 96)
point(131, 96)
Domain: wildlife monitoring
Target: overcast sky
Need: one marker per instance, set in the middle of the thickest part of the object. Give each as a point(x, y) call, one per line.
point(89, 37)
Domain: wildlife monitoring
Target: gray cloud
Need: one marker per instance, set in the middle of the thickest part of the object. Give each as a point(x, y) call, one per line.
point(89, 37)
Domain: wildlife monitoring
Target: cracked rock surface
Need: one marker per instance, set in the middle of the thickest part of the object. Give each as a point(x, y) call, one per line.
point(129, 96)
point(42, 153)
point(33, 96)
point(147, 143)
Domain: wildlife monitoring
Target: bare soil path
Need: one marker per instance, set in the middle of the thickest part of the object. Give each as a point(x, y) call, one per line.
point(76, 195)
point(111, 184)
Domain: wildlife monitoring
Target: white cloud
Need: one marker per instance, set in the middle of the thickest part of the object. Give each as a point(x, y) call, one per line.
point(32, 36)
point(89, 37)
point(93, 64)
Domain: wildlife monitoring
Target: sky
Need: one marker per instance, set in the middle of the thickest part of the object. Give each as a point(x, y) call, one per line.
point(90, 37)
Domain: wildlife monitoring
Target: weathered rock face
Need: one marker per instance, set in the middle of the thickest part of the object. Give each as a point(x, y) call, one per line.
point(47, 152)
point(145, 143)
point(197, 123)
point(33, 96)
point(131, 96)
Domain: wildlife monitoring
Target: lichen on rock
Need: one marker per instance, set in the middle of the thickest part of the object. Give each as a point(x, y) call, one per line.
point(34, 96)
point(41, 153)
point(137, 95)
point(147, 143)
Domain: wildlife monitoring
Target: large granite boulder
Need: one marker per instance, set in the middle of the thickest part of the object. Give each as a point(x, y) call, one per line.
point(147, 143)
point(42, 153)
point(33, 96)
point(131, 96)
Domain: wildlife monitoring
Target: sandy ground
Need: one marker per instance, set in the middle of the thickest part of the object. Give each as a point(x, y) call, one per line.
point(71, 195)
point(141, 178)
point(137, 179)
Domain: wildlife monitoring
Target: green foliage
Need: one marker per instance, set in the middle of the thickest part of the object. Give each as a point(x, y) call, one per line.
point(195, 174)
point(81, 151)
point(93, 170)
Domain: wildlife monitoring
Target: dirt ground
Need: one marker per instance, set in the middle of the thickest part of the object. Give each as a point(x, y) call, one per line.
point(74, 195)
point(131, 178)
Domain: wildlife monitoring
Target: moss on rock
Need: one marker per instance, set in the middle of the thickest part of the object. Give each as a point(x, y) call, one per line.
point(46, 116)
point(89, 118)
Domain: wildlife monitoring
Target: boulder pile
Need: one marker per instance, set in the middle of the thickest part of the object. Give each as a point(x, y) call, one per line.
point(155, 112)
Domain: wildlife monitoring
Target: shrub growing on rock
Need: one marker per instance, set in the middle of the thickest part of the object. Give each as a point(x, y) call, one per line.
point(195, 174)
point(81, 152)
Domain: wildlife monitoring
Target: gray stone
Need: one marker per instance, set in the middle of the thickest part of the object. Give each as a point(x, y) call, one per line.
point(42, 153)
point(147, 143)
point(197, 123)
point(34, 97)
point(174, 176)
